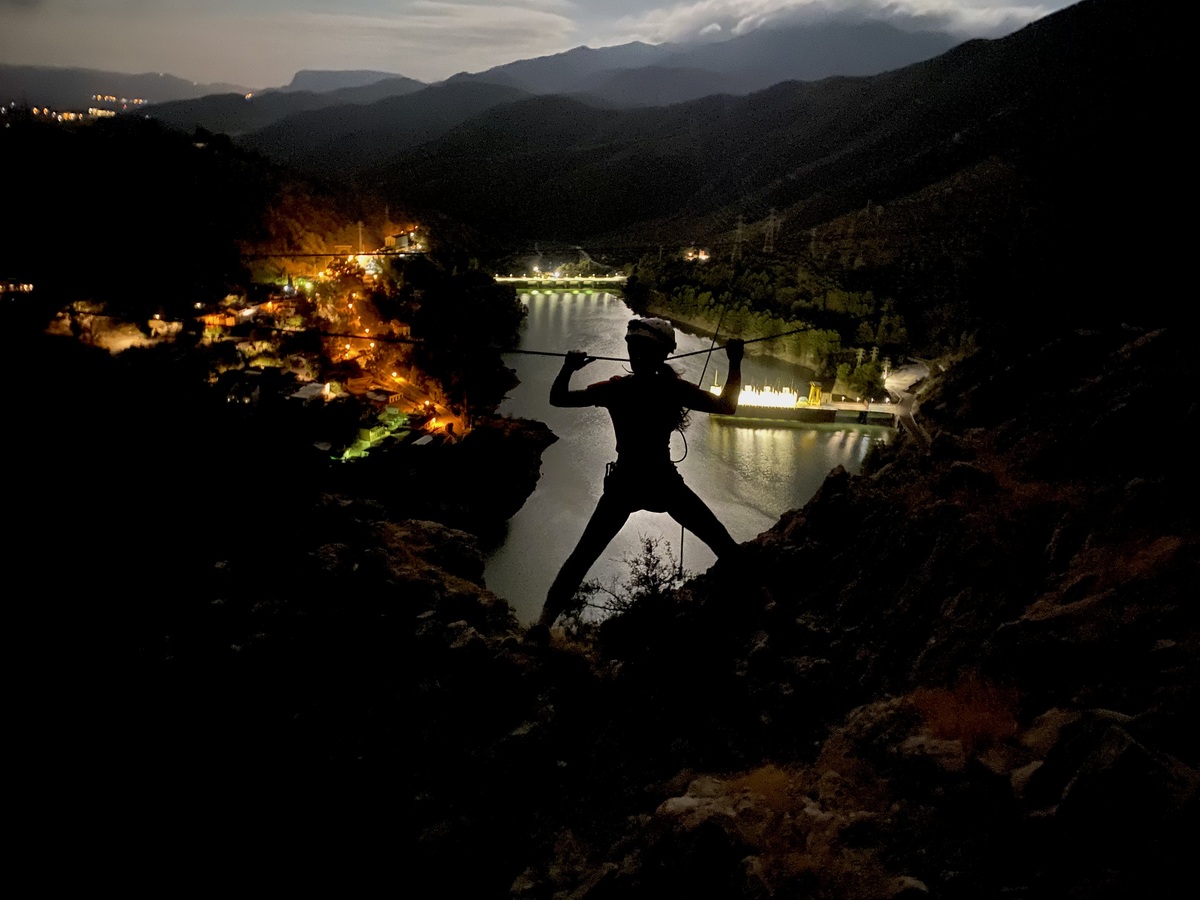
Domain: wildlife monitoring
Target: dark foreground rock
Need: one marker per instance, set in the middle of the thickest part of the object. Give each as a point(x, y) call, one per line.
point(969, 672)
point(941, 678)
point(475, 484)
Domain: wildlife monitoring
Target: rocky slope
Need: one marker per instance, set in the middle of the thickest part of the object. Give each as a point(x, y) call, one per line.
point(967, 672)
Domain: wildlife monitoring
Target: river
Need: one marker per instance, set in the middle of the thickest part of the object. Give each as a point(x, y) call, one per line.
point(748, 473)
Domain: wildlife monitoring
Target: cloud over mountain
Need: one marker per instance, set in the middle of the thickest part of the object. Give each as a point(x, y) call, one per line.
point(715, 19)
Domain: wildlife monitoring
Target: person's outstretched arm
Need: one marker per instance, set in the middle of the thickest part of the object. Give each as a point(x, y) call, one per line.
point(727, 403)
point(560, 391)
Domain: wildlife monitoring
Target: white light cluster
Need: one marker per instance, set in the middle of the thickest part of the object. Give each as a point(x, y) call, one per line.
point(782, 399)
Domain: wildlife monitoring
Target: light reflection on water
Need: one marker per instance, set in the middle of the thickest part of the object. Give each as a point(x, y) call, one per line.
point(749, 473)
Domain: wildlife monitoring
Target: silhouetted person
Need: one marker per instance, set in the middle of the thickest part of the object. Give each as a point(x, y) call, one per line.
point(646, 407)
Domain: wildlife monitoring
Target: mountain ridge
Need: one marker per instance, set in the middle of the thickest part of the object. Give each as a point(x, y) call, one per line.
point(321, 81)
point(632, 74)
point(738, 65)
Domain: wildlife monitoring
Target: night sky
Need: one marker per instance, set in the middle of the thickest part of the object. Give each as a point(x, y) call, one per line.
point(262, 43)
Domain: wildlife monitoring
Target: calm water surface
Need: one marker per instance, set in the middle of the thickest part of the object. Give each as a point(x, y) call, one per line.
point(749, 474)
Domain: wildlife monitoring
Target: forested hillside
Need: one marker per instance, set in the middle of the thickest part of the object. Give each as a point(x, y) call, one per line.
point(978, 187)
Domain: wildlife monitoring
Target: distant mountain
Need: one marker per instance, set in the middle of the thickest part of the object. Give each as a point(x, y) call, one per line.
point(349, 137)
point(629, 75)
point(569, 72)
point(75, 88)
point(640, 74)
point(235, 114)
point(322, 81)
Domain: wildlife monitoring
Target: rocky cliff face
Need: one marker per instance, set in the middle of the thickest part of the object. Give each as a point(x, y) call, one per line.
point(968, 672)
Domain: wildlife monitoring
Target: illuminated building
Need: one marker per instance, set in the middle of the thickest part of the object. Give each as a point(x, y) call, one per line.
point(769, 403)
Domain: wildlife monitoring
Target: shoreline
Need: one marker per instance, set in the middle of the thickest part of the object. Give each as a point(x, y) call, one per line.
point(706, 327)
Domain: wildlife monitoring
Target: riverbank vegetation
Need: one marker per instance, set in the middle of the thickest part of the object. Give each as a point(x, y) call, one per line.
point(827, 329)
point(463, 321)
